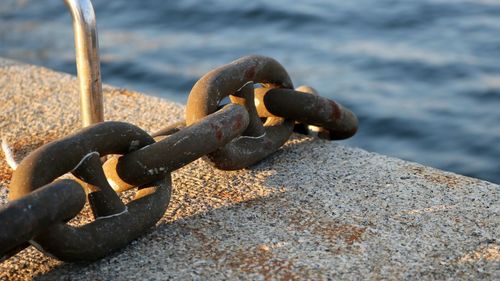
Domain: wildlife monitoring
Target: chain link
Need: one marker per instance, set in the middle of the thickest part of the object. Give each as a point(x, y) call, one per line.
point(258, 121)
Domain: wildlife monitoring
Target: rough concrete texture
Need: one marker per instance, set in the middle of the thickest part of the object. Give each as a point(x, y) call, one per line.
point(313, 210)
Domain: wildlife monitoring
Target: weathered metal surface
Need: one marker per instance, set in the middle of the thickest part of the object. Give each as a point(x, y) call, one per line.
point(24, 218)
point(221, 82)
point(245, 97)
point(54, 159)
point(156, 160)
point(107, 233)
point(102, 198)
point(308, 108)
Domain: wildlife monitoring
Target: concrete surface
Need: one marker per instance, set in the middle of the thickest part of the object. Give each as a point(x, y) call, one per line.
point(314, 210)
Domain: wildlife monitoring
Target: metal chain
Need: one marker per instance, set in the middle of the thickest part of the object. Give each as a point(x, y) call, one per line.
point(234, 137)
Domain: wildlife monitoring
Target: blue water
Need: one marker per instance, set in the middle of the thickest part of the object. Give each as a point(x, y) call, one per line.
point(423, 76)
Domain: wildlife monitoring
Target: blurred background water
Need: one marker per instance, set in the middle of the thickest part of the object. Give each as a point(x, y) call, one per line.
point(423, 76)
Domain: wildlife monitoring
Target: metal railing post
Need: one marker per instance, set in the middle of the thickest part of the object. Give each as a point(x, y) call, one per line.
point(87, 61)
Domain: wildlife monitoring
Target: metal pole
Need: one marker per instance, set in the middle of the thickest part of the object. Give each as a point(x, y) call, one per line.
point(87, 60)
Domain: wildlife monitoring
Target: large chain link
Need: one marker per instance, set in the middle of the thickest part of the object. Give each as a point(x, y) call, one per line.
point(234, 137)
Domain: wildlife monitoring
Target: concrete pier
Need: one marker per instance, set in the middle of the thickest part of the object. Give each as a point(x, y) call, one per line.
point(314, 210)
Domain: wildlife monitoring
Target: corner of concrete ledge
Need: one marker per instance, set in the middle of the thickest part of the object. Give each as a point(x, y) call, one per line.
point(314, 210)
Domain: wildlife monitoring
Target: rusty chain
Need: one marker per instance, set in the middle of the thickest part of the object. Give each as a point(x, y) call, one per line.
point(234, 137)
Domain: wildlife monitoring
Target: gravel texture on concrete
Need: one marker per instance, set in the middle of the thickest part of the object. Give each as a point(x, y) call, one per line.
point(313, 210)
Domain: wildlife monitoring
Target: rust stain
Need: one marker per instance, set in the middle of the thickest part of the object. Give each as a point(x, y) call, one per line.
point(125, 92)
point(267, 260)
point(217, 131)
point(488, 253)
point(350, 233)
point(238, 123)
point(431, 209)
point(255, 259)
point(199, 235)
point(218, 134)
point(437, 177)
point(328, 229)
point(261, 260)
